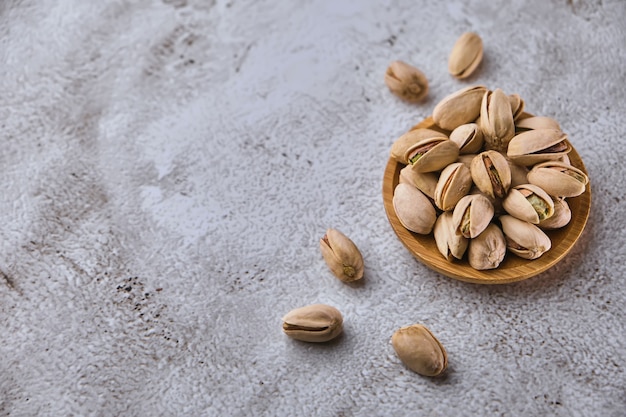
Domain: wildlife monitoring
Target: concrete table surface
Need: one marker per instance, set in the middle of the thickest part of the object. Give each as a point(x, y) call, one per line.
point(168, 168)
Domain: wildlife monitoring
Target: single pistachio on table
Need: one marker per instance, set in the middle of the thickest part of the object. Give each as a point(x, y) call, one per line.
point(561, 217)
point(432, 154)
point(466, 55)
point(468, 137)
point(487, 250)
point(313, 323)
point(414, 209)
point(472, 215)
point(517, 106)
point(496, 120)
point(426, 182)
point(524, 239)
point(450, 242)
point(529, 202)
point(420, 350)
point(558, 179)
point(342, 256)
point(459, 108)
point(537, 122)
point(538, 145)
point(406, 81)
point(491, 173)
point(454, 183)
point(411, 138)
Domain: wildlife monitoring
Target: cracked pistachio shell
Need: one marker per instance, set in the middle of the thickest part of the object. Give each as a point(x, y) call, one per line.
point(491, 173)
point(468, 137)
point(466, 55)
point(537, 122)
point(496, 120)
point(342, 256)
point(423, 181)
point(558, 179)
point(433, 154)
point(524, 239)
point(313, 323)
point(517, 105)
point(561, 217)
point(459, 108)
point(472, 215)
point(406, 81)
point(538, 145)
point(519, 173)
point(450, 242)
point(401, 146)
point(420, 350)
point(487, 250)
point(454, 183)
point(528, 202)
point(414, 209)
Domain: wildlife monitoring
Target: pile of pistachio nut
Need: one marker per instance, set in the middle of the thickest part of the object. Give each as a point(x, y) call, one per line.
point(495, 183)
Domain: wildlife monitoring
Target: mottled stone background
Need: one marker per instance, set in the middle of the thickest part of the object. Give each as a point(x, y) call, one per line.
point(167, 168)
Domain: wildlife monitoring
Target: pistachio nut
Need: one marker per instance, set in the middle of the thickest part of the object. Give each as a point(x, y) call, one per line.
point(450, 242)
point(466, 159)
point(466, 55)
point(433, 154)
point(406, 81)
point(491, 173)
point(468, 137)
point(423, 181)
point(528, 202)
point(459, 108)
point(537, 122)
point(561, 217)
point(342, 256)
point(401, 146)
point(538, 145)
point(558, 179)
point(517, 105)
point(518, 173)
point(313, 323)
point(496, 120)
point(524, 239)
point(487, 250)
point(454, 183)
point(472, 215)
point(420, 350)
point(414, 209)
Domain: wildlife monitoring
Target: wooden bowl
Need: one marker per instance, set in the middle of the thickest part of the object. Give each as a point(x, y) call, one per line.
point(513, 268)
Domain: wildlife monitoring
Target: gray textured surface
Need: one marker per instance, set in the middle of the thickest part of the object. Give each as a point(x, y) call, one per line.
point(167, 170)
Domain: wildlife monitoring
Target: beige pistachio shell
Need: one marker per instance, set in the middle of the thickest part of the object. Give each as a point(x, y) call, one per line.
point(432, 154)
point(411, 138)
point(468, 137)
point(528, 202)
point(538, 145)
point(449, 240)
point(472, 215)
point(524, 239)
point(565, 159)
point(454, 183)
point(558, 179)
point(459, 108)
point(342, 256)
point(420, 350)
point(491, 173)
point(426, 182)
point(537, 122)
point(519, 173)
point(466, 55)
point(496, 120)
point(517, 105)
point(466, 159)
point(487, 250)
point(406, 81)
point(313, 323)
point(414, 209)
point(561, 217)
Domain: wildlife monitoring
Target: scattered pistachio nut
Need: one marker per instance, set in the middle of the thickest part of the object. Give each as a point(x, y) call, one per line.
point(538, 145)
point(432, 154)
point(400, 148)
point(491, 173)
point(414, 209)
point(466, 55)
point(420, 350)
point(313, 323)
point(558, 179)
point(472, 215)
point(468, 137)
point(406, 81)
point(454, 183)
point(342, 256)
